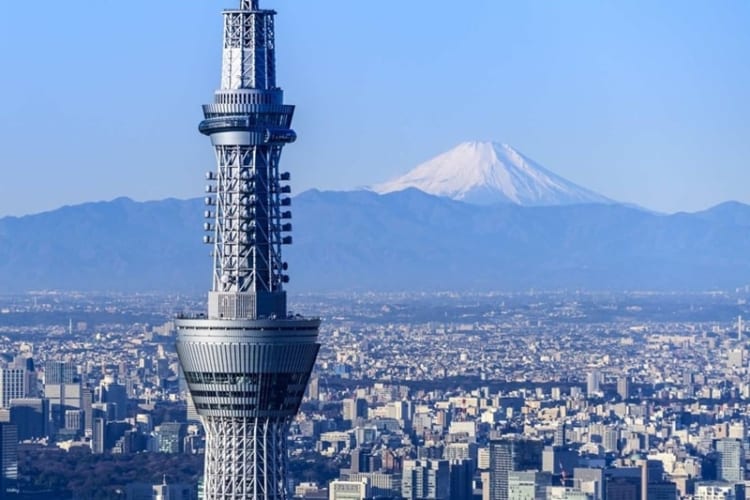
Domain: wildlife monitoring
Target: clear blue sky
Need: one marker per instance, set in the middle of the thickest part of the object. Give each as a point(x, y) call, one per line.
point(646, 102)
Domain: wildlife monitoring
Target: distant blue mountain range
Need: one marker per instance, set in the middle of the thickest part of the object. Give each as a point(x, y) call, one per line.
point(404, 240)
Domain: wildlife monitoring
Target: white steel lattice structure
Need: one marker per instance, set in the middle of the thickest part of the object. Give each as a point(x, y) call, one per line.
point(247, 362)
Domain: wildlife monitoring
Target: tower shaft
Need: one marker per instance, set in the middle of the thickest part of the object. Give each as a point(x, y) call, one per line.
point(248, 362)
point(248, 124)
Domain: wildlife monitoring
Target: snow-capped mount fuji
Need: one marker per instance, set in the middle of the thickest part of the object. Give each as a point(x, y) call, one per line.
point(486, 173)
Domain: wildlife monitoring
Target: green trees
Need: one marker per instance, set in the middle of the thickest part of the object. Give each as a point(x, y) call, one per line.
point(80, 474)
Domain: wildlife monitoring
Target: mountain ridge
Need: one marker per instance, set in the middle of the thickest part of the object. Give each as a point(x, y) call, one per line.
point(408, 240)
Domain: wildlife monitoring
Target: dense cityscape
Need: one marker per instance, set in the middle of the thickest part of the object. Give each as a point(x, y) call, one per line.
point(501, 396)
point(252, 392)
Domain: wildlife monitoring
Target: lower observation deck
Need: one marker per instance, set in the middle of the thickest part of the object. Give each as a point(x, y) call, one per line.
point(247, 368)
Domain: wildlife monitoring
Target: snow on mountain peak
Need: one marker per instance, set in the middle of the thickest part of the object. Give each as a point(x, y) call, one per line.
point(488, 172)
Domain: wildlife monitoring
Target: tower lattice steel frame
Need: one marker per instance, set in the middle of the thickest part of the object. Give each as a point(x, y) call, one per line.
point(248, 362)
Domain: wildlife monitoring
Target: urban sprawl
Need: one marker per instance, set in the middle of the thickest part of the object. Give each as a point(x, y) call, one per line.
point(525, 396)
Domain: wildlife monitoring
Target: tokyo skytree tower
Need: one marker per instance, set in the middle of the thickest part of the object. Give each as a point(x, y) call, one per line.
point(247, 362)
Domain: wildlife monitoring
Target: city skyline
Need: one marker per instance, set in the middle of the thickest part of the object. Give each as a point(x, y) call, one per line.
point(367, 390)
point(403, 383)
point(643, 103)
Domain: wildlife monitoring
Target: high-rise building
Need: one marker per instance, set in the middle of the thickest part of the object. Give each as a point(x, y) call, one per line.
point(247, 362)
point(62, 387)
point(462, 473)
point(87, 400)
point(426, 480)
point(483, 459)
point(74, 421)
point(13, 384)
point(31, 417)
point(624, 483)
point(115, 395)
point(623, 387)
point(593, 382)
point(589, 481)
point(508, 455)
point(528, 485)
point(8, 458)
point(361, 460)
point(459, 451)
point(661, 490)
point(354, 408)
point(610, 439)
point(652, 475)
point(731, 460)
point(99, 429)
point(60, 372)
point(381, 485)
point(561, 434)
